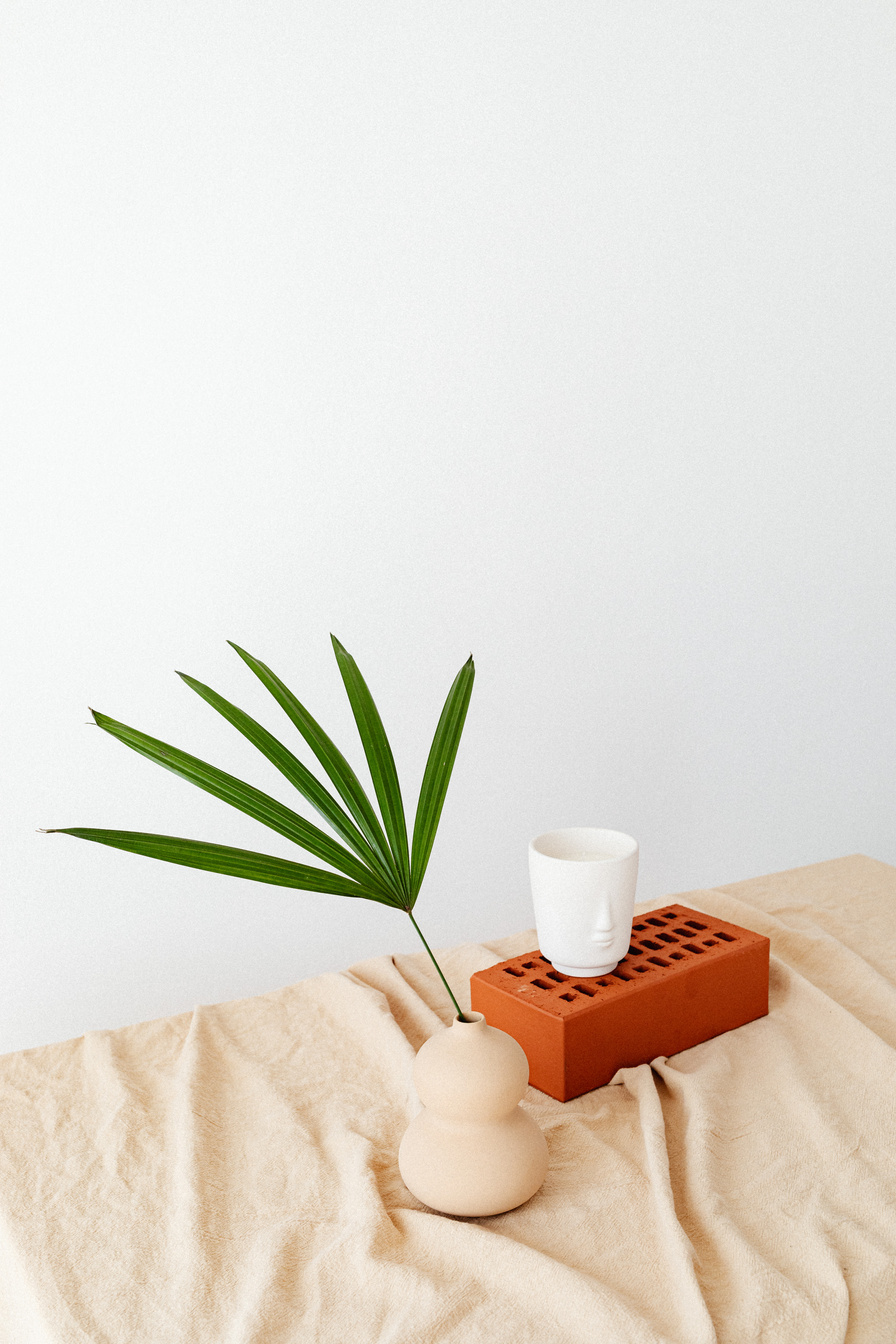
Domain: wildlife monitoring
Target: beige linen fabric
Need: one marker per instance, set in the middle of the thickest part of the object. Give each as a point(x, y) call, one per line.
point(229, 1176)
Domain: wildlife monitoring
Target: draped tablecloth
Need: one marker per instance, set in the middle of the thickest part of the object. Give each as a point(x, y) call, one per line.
point(229, 1176)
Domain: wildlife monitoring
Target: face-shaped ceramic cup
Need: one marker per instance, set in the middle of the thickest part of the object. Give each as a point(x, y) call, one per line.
point(583, 889)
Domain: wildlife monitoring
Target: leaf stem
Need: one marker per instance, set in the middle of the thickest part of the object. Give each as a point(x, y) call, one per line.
point(461, 1016)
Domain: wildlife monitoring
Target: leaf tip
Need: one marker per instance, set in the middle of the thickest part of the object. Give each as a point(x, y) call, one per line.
point(246, 657)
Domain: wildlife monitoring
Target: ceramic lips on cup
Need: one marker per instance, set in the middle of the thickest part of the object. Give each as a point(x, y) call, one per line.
point(583, 889)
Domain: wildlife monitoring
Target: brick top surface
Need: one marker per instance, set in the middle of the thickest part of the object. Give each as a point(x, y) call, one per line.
point(664, 943)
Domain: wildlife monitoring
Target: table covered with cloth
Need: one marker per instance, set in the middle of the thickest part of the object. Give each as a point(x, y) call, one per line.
point(229, 1176)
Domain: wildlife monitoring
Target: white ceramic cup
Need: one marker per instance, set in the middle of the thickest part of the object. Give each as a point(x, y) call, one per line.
point(583, 889)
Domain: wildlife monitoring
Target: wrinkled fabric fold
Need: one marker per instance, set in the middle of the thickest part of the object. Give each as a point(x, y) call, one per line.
point(230, 1174)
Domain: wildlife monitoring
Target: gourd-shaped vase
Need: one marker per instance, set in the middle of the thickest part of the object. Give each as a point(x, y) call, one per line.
point(472, 1150)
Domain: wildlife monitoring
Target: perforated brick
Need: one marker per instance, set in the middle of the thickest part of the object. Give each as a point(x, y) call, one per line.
point(686, 978)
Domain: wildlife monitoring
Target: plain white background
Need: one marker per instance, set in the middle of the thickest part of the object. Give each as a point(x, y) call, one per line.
point(558, 333)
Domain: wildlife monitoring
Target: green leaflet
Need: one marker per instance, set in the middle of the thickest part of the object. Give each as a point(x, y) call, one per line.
point(439, 765)
point(223, 859)
point(379, 759)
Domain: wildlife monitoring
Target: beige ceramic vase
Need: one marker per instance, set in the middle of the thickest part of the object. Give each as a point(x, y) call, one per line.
point(472, 1150)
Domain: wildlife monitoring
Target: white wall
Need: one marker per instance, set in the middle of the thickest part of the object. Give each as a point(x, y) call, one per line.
point(559, 333)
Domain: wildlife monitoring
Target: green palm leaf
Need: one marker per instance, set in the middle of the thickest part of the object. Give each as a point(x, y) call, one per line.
point(379, 759)
point(297, 774)
point(224, 859)
point(380, 869)
point(439, 765)
point(244, 797)
point(338, 770)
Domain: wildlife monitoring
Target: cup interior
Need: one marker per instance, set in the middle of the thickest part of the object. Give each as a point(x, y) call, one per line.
point(585, 844)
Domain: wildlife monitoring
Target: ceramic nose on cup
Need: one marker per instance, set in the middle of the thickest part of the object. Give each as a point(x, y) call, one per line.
point(602, 928)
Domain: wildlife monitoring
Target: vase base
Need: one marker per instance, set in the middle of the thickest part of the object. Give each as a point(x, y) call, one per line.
point(473, 1170)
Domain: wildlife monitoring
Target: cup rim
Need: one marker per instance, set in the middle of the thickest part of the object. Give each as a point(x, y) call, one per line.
point(595, 835)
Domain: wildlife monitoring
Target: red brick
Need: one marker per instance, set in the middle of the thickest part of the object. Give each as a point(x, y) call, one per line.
point(686, 978)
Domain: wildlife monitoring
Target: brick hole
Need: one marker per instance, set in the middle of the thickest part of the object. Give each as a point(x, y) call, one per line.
point(670, 914)
point(677, 956)
point(654, 947)
point(584, 989)
point(620, 975)
point(685, 933)
point(642, 970)
point(530, 966)
point(634, 952)
point(570, 998)
point(726, 937)
point(512, 970)
point(691, 947)
point(658, 922)
point(638, 928)
point(544, 959)
point(604, 984)
point(667, 938)
point(542, 984)
point(710, 942)
point(555, 975)
point(658, 961)
point(692, 924)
